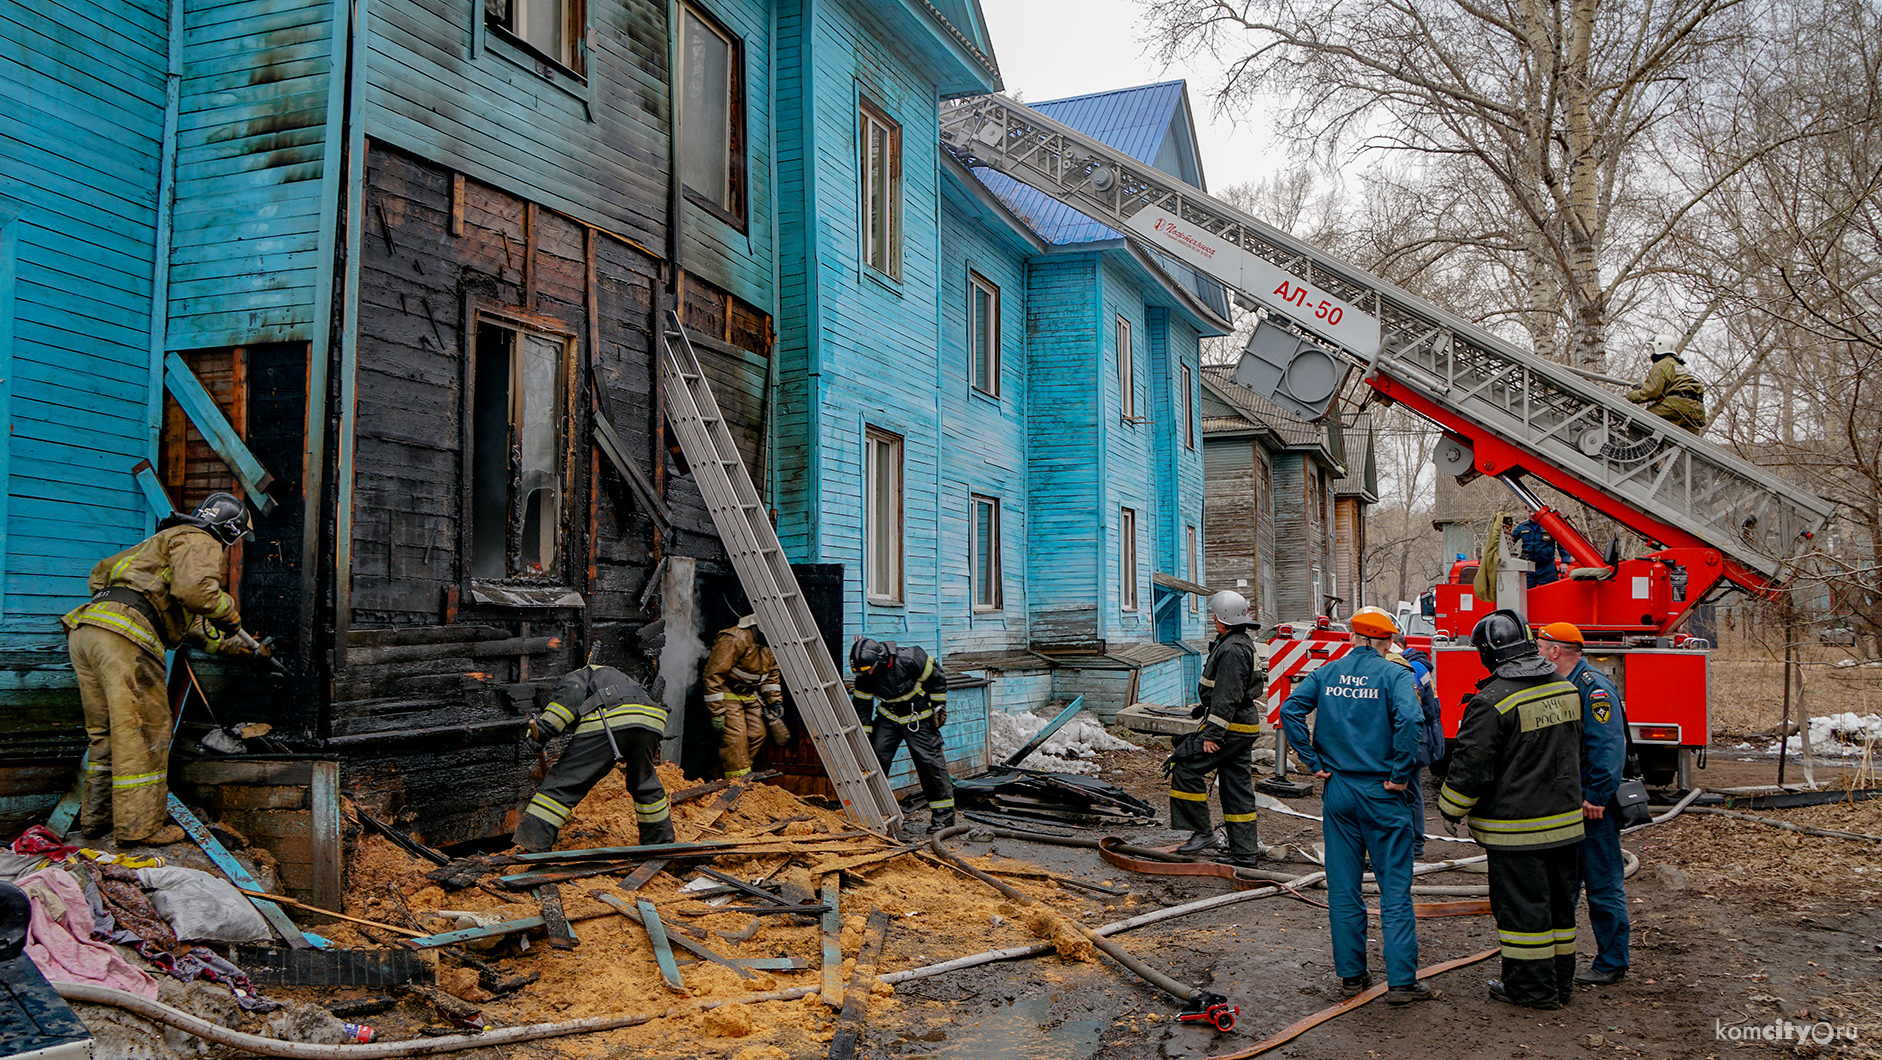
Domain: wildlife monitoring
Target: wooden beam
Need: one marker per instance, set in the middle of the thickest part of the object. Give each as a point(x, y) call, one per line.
point(217, 431)
point(662, 949)
point(549, 896)
point(294, 936)
point(832, 943)
point(849, 1024)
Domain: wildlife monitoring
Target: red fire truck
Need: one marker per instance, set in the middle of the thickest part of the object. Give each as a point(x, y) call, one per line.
point(1707, 520)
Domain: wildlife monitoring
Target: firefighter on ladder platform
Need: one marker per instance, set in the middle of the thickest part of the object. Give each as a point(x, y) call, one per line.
point(901, 696)
point(1670, 391)
point(745, 694)
point(1516, 774)
point(164, 591)
point(615, 722)
point(1224, 743)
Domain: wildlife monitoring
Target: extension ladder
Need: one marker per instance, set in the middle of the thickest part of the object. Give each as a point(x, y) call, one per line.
point(758, 558)
point(1598, 446)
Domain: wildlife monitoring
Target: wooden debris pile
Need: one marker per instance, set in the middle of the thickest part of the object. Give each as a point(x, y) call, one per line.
point(763, 894)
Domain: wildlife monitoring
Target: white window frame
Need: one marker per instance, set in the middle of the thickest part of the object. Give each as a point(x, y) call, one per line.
point(883, 558)
point(1189, 408)
point(983, 330)
point(882, 253)
point(1126, 372)
point(1189, 543)
point(1127, 559)
point(988, 593)
point(727, 198)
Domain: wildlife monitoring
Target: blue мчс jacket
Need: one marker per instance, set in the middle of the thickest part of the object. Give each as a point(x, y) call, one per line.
point(1372, 722)
point(1603, 733)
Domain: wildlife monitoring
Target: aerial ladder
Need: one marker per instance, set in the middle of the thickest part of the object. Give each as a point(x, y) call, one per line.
point(1713, 520)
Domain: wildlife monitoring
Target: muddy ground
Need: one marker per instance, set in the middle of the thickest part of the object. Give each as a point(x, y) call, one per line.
point(1723, 937)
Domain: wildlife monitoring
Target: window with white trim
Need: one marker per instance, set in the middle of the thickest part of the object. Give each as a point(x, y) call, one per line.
point(1127, 559)
point(984, 552)
point(881, 197)
point(983, 334)
point(882, 485)
point(1126, 373)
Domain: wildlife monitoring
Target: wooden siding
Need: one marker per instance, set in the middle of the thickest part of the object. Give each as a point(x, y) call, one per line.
point(252, 135)
point(1294, 551)
point(1231, 534)
point(1349, 540)
point(1067, 539)
point(594, 147)
point(984, 448)
point(81, 136)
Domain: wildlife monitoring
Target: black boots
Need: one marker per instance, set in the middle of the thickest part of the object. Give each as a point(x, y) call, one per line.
point(1197, 843)
point(939, 819)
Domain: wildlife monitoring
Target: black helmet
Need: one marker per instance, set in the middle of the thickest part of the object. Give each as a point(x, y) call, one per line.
point(866, 656)
point(1501, 637)
point(222, 514)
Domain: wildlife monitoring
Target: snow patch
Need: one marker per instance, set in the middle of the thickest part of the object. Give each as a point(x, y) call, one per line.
point(1839, 735)
point(1081, 738)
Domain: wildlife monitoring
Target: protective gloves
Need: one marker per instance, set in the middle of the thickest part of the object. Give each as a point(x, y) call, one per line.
point(1451, 824)
point(718, 723)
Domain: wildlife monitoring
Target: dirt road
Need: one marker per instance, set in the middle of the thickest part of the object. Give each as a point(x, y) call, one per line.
point(1736, 928)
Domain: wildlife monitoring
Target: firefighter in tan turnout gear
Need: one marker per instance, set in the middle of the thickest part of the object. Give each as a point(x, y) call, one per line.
point(164, 591)
point(745, 695)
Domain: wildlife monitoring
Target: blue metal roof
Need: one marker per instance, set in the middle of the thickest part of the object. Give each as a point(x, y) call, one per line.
point(1150, 123)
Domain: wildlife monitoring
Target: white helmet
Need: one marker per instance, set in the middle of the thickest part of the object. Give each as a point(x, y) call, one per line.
point(1231, 609)
point(1665, 344)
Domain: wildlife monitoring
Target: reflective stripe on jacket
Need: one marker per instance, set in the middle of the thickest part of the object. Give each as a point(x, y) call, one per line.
point(1231, 677)
point(595, 697)
point(1516, 771)
point(741, 669)
point(179, 571)
point(911, 688)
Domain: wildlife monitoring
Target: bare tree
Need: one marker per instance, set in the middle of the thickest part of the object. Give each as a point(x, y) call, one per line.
point(1549, 114)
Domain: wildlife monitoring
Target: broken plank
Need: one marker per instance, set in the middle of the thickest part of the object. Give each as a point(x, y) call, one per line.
point(740, 885)
point(278, 920)
point(523, 881)
point(849, 1024)
point(639, 877)
point(549, 897)
point(452, 938)
point(695, 948)
point(407, 843)
point(844, 864)
point(763, 964)
point(832, 943)
point(662, 949)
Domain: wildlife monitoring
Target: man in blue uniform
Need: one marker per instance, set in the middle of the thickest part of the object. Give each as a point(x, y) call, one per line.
point(1363, 745)
point(1538, 548)
point(1603, 754)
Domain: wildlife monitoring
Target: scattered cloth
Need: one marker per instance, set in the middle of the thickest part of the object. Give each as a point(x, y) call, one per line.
point(202, 907)
point(59, 939)
point(122, 915)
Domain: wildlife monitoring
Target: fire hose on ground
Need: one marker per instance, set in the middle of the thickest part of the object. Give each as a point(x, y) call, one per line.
point(1200, 1006)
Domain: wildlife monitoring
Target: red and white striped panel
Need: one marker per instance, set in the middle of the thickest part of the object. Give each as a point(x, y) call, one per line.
point(1295, 659)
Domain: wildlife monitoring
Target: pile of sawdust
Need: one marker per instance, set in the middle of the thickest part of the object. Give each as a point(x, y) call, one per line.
point(1715, 852)
point(935, 913)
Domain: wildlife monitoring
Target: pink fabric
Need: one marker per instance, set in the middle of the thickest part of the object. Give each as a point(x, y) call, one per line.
point(59, 938)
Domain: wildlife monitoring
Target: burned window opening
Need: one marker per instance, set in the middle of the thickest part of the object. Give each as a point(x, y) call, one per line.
point(518, 426)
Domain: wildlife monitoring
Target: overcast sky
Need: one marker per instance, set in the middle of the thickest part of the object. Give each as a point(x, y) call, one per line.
point(1050, 49)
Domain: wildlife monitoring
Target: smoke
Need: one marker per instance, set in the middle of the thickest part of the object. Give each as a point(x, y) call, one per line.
point(680, 660)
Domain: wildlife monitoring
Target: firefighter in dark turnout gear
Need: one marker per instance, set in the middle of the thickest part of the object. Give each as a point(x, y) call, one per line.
point(1365, 744)
point(1225, 741)
point(161, 592)
point(745, 694)
point(1516, 774)
point(901, 696)
point(614, 721)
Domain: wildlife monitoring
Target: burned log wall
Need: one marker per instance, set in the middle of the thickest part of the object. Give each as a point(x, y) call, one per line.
point(442, 667)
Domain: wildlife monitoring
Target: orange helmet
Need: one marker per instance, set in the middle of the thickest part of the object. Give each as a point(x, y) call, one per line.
point(1373, 622)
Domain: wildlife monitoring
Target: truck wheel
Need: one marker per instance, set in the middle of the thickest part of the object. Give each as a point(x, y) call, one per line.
point(1659, 766)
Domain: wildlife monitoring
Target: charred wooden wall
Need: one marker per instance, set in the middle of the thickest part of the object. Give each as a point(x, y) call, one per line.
point(440, 671)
